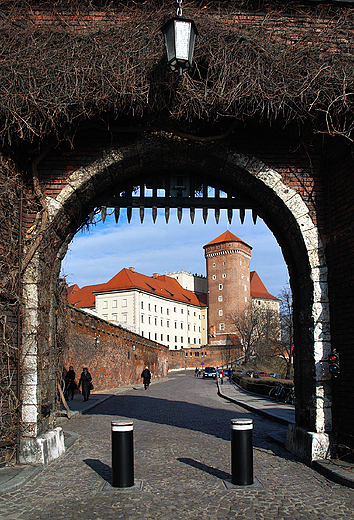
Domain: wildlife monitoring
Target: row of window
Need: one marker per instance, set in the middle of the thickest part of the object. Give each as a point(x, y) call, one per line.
point(149, 318)
point(223, 276)
point(156, 338)
point(149, 308)
point(115, 303)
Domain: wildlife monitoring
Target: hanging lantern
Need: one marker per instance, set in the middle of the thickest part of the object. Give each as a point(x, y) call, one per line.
point(180, 36)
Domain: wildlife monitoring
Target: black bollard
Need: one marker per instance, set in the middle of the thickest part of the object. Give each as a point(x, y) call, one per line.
point(122, 454)
point(241, 452)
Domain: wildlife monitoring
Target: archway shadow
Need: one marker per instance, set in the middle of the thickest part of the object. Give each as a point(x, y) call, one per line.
point(185, 415)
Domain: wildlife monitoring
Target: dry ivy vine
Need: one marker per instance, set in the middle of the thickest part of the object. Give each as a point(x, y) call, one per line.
point(65, 62)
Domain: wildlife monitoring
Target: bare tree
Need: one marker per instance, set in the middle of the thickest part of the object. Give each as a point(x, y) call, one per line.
point(283, 347)
point(259, 331)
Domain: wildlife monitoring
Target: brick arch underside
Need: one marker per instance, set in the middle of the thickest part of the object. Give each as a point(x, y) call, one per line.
point(284, 211)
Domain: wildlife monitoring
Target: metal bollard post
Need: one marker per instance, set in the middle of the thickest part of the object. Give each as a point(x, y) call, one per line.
point(241, 452)
point(122, 454)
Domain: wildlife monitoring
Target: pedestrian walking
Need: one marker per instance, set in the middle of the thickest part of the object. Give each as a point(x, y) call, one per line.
point(70, 385)
point(146, 376)
point(222, 374)
point(196, 372)
point(86, 381)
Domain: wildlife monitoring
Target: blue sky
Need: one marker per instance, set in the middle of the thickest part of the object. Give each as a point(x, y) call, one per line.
point(96, 255)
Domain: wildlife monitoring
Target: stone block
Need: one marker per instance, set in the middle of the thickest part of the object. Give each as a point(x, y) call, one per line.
point(42, 449)
point(307, 445)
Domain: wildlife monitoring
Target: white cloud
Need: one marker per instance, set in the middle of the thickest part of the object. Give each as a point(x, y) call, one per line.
point(96, 255)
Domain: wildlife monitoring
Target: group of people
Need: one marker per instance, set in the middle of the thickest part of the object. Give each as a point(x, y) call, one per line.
point(70, 383)
point(86, 382)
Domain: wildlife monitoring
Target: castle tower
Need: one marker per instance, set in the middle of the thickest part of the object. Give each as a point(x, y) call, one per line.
point(228, 276)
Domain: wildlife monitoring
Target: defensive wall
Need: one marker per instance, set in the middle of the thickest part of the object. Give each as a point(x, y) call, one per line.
point(116, 356)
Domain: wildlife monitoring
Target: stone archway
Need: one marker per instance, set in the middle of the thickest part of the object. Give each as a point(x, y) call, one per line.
point(285, 213)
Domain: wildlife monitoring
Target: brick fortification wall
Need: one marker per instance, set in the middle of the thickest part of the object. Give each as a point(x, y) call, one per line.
point(112, 360)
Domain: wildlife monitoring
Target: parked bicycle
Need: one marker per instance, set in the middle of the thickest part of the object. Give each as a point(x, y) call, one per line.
point(290, 398)
point(279, 392)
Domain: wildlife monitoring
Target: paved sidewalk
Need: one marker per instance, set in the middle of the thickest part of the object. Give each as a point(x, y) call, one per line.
point(337, 470)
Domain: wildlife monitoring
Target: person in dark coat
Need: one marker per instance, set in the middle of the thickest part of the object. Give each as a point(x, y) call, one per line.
point(146, 375)
point(85, 379)
point(70, 385)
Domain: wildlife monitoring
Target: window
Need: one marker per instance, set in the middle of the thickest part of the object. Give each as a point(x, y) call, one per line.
point(194, 313)
point(174, 309)
point(114, 317)
point(142, 305)
point(194, 328)
point(195, 341)
point(149, 320)
point(155, 308)
point(114, 304)
point(220, 312)
point(189, 326)
point(245, 288)
point(124, 317)
point(220, 286)
point(189, 340)
point(155, 336)
point(182, 339)
point(246, 299)
point(124, 303)
point(155, 321)
point(181, 325)
point(199, 329)
point(220, 298)
point(168, 337)
point(175, 347)
point(181, 311)
point(149, 307)
point(161, 310)
point(224, 275)
point(200, 342)
point(175, 339)
point(214, 277)
point(105, 304)
point(161, 337)
point(149, 335)
point(105, 316)
point(175, 324)
point(142, 318)
point(214, 264)
point(161, 323)
point(168, 324)
point(168, 311)
point(222, 326)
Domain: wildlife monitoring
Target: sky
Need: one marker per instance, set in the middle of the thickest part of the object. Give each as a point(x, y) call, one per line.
point(97, 254)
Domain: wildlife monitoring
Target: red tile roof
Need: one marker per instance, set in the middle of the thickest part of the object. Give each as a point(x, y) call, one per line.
point(127, 279)
point(227, 237)
point(258, 289)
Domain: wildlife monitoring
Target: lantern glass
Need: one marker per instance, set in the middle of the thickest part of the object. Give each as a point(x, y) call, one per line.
point(180, 36)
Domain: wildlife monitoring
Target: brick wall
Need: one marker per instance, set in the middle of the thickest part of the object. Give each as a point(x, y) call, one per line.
point(111, 360)
point(339, 193)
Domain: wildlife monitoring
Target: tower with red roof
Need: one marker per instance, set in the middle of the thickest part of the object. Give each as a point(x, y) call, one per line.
point(228, 274)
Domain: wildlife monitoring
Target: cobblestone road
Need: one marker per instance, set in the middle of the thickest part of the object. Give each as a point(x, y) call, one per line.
point(182, 457)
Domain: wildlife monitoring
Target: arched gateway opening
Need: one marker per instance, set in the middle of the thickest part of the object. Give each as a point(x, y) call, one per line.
point(106, 171)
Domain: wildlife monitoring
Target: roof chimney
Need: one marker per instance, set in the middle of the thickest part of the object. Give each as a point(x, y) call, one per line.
point(155, 275)
point(132, 269)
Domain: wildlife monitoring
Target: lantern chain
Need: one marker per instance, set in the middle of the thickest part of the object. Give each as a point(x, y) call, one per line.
point(179, 8)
